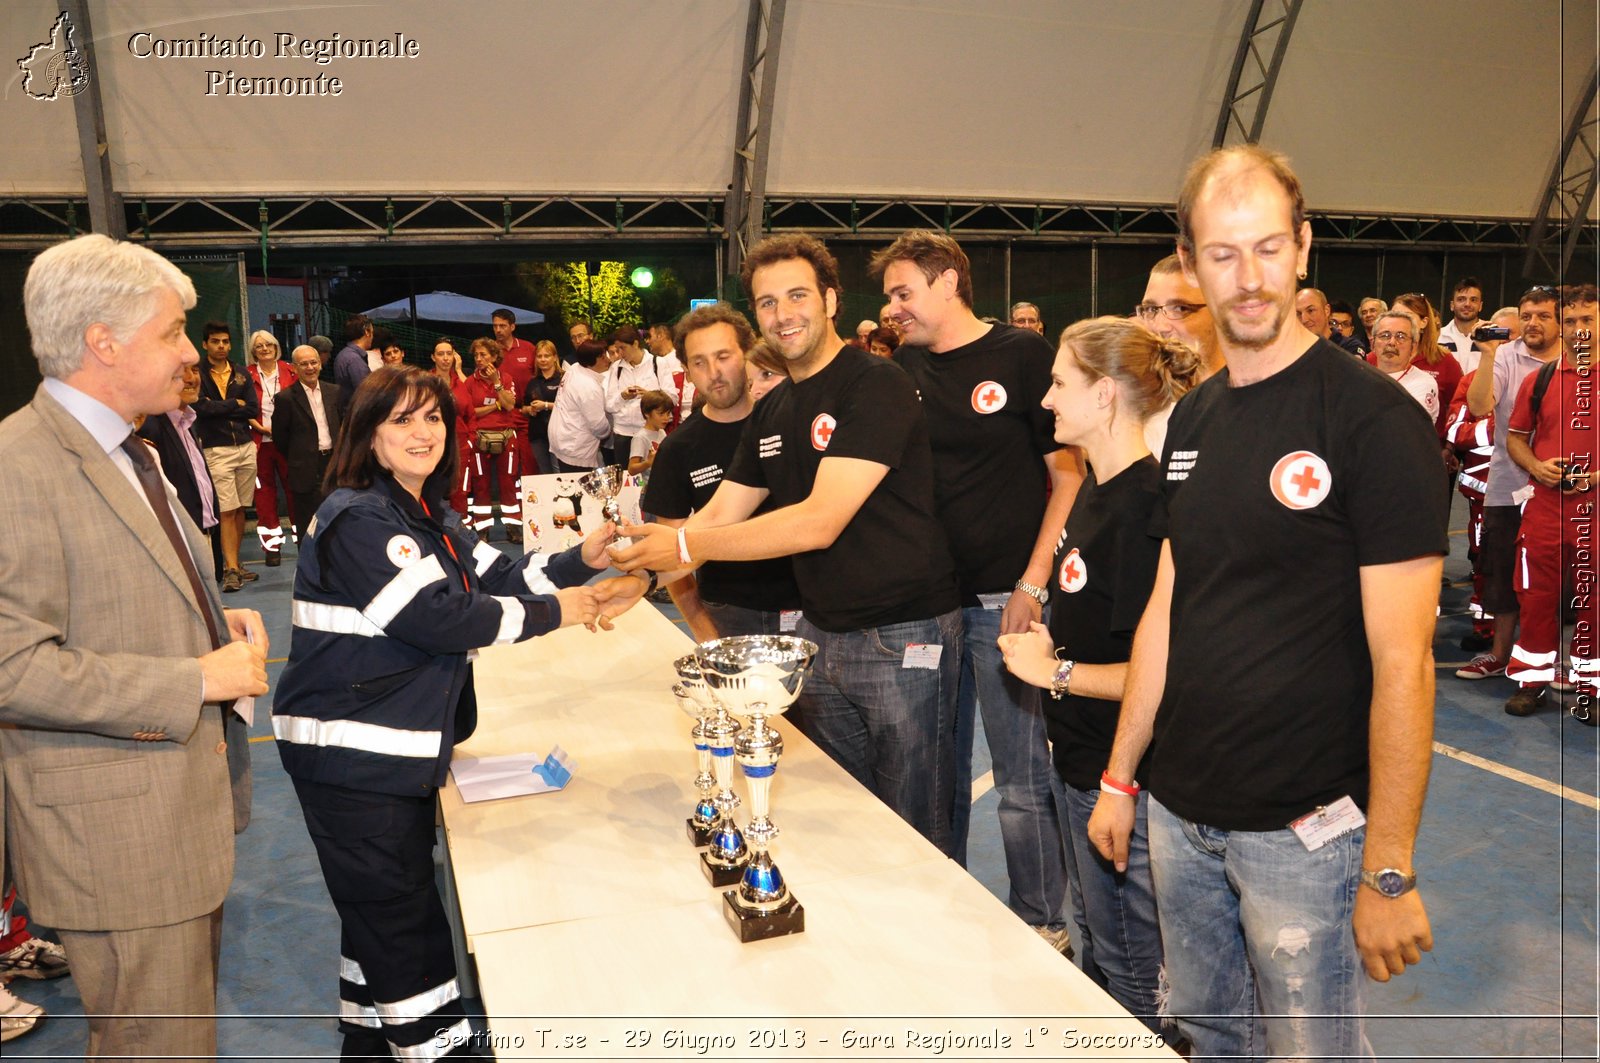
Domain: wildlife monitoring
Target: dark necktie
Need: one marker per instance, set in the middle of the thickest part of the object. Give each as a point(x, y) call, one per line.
point(155, 492)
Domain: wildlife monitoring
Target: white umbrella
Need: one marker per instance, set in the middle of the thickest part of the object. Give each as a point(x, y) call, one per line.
point(448, 306)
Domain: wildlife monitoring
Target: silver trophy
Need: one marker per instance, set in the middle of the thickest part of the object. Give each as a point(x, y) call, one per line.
point(725, 856)
point(694, 698)
point(758, 676)
point(605, 483)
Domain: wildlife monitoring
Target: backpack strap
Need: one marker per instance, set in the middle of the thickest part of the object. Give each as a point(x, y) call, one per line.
point(1541, 384)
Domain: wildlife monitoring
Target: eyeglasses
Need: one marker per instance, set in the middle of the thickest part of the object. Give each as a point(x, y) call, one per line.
point(1385, 337)
point(1171, 311)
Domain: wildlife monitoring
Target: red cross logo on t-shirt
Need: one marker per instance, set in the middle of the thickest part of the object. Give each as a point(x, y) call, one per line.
point(822, 430)
point(988, 397)
point(1073, 573)
point(1301, 480)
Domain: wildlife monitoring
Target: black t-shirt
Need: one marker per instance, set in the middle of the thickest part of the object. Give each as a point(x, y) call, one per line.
point(689, 466)
point(1105, 565)
point(1275, 495)
point(988, 433)
point(890, 564)
point(544, 389)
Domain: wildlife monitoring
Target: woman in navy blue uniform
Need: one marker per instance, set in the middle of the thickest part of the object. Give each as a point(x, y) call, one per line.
point(391, 600)
point(1109, 376)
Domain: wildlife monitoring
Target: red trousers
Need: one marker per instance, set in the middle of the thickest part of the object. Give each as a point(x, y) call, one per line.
point(506, 468)
point(272, 469)
point(463, 483)
point(1556, 570)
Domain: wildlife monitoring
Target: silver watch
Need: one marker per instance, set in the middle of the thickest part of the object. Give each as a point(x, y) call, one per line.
point(1390, 881)
point(1038, 594)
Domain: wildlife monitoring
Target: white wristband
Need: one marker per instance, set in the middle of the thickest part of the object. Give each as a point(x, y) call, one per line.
point(683, 548)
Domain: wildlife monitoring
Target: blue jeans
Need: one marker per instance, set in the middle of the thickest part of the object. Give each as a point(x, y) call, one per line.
point(1119, 940)
point(889, 726)
point(731, 620)
point(1030, 792)
point(1260, 955)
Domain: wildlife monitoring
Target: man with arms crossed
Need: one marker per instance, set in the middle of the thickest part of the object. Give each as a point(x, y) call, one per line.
point(126, 768)
point(722, 598)
point(842, 450)
point(1283, 665)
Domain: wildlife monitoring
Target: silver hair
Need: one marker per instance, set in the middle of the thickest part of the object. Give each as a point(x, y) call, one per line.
point(1371, 299)
point(93, 280)
point(1405, 315)
point(260, 335)
point(1018, 306)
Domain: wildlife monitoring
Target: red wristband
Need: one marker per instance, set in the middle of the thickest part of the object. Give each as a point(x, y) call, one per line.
point(1112, 786)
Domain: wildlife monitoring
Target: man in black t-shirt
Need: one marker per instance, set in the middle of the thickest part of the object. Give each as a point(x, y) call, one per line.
point(1288, 634)
point(994, 456)
point(721, 598)
point(841, 449)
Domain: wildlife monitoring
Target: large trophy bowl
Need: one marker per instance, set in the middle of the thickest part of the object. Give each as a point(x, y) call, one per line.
point(712, 824)
point(758, 676)
point(694, 698)
point(605, 483)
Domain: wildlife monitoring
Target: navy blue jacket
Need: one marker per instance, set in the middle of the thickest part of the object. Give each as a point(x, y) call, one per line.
point(378, 688)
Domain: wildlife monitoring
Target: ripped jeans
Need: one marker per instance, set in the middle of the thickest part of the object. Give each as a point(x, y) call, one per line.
point(1260, 957)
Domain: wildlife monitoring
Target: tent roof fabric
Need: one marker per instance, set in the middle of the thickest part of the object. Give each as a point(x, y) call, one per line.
point(1428, 107)
point(449, 306)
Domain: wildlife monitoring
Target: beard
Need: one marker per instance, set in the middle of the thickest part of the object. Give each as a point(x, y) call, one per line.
point(1256, 335)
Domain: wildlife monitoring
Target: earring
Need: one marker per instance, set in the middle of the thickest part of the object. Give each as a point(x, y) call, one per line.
point(1301, 274)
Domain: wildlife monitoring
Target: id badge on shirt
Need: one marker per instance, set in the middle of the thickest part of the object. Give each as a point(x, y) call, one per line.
point(1326, 822)
point(922, 655)
point(788, 620)
point(994, 602)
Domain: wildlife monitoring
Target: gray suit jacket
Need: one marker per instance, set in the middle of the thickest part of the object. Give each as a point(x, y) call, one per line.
point(99, 635)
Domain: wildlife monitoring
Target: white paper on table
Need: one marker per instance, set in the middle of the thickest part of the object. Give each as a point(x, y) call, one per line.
point(510, 775)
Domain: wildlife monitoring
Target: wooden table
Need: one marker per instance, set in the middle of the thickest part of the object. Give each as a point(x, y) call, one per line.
point(590, 902)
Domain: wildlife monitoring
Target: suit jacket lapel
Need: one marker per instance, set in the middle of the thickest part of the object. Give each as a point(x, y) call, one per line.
point(122, 497)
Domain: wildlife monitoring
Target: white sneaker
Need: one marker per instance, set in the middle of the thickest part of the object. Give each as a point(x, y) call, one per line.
point(34, 958)
point(17, 1017)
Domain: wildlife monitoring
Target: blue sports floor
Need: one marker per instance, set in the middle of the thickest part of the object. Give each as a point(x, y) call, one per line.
point(1507, 857)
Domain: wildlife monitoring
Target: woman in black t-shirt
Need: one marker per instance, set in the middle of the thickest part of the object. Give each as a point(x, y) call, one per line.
point(1110, 375)
point(538, 399)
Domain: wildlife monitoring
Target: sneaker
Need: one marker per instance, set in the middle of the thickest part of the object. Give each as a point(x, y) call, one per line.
point(1483, 666)
point(274, 558)
point(1526, 701)
point(513, 533)
point(231, 581)
point(17, 1017)
point(1476, 643)
point(1058, 938)
point(34, 958)
point(246, 575)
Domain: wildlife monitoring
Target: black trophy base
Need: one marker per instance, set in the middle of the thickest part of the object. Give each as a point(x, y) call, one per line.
point(758, 926)
point(720, 876)
point(700, 836)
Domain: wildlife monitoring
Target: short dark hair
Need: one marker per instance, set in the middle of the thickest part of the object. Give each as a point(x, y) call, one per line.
point(402, 388)
point(1467, 282)
point(1242, 159)
point(214, 327)
point(381, 338)
point(355, 326)
point(932, 253)
point(1339, 306)
point(506, 314)
point(886, 336)
point(588, 352)
point(1573, 294)
point(623, 334)
point(781, 248)
point(656, 401)
point(718, 313)
point(1539, 293)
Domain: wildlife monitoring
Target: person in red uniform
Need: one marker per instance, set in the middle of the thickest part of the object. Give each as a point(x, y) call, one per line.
point(1473, 440)
point(1555, 442)
point(269, 374)
point(498, 427)
point(518, 368)
point(447, 364)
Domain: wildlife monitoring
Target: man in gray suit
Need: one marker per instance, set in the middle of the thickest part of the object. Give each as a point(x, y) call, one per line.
point(126, 772)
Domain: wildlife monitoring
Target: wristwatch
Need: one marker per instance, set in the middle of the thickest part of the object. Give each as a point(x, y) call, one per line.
point(1059, 681)
point(1038, 594)
point(1390, 881)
